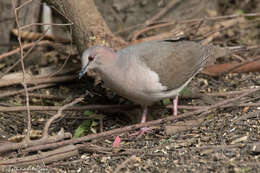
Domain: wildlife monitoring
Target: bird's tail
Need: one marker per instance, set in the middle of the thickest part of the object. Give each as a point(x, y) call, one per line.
point(225, 51)
point(215, 52)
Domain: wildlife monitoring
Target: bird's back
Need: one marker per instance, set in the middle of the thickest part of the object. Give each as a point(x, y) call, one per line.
point(175, 61)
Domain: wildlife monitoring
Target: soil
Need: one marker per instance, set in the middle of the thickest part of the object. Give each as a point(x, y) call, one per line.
point(223, 140)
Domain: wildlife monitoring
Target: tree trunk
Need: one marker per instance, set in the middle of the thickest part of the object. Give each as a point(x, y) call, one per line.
point(89, 27)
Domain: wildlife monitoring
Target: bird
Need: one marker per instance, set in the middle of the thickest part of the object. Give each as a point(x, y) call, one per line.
point(149, 71)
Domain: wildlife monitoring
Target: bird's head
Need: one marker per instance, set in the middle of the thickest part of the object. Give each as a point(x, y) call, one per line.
point(95, 58)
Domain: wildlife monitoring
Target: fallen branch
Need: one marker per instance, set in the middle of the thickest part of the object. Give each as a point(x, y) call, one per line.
point(43, 157)
point(243, 67)
point(73, 108)
point(38, 80)
point(11, 93)
point(137, 126)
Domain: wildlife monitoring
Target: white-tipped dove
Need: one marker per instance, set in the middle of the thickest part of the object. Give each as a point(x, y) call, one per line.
point(149, 71)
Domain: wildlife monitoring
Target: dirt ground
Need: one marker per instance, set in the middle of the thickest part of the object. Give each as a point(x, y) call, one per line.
point(223, 140)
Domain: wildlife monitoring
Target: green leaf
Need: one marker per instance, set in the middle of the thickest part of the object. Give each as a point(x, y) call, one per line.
point(88, 113)
point(166, 101)
point(184, 90)
point(85, 126)
point(240, 11)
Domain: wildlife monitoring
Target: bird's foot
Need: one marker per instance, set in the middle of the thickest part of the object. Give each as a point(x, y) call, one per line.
point(141, 132)
point(117, 142)
point(138, 134)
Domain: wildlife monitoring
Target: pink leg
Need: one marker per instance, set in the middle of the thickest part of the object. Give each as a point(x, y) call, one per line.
point(143, 120)
point(175, 105)
point(117, 141)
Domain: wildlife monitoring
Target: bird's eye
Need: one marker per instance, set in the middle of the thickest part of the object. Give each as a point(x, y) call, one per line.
point(90, 58)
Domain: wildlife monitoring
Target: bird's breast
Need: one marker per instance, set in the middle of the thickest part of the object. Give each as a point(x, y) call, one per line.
point(138, 84)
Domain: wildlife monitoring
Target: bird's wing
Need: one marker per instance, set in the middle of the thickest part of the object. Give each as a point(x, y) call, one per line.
point(174, 61)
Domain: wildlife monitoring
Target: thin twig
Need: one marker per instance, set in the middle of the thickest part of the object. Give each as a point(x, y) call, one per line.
point(25, 46)
point(223, 106)
point(169, 23)
point(229, 93)
point(58, 115)
point(34, 44)
point(11, 93)
point(139, 32)
point(162, 12)
point(24, 4)
point(23, 69)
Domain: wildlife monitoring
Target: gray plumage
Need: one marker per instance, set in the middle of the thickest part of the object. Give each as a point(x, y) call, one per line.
point(149, 71)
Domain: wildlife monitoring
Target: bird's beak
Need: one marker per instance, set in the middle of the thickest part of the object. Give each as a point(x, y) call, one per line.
point(83, 71)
